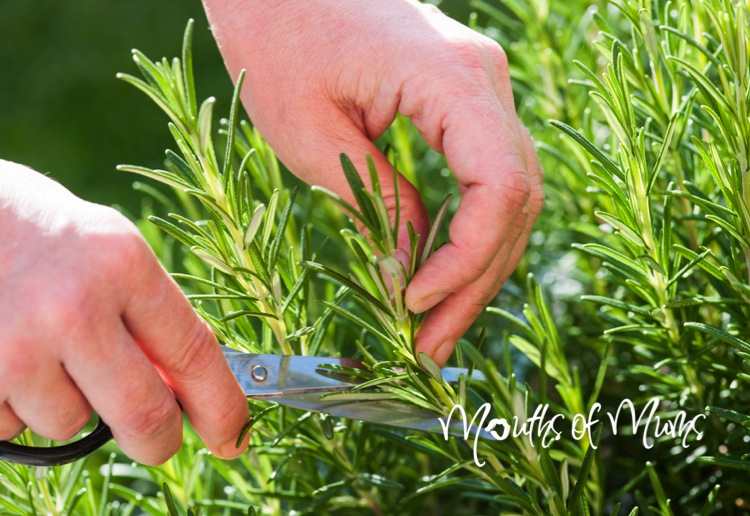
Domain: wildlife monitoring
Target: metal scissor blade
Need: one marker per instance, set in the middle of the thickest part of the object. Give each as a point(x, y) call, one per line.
point(381, 412)
point(263, 376)
point(276, 375)
point(386, 412)
point(300, 381)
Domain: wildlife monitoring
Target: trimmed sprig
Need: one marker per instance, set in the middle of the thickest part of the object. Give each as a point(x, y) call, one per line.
point(380, 278)
point(378, 282)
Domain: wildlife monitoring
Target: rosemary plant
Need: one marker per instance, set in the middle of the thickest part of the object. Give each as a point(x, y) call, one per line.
point(641, 293)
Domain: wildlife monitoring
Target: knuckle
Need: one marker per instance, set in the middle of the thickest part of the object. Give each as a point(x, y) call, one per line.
point(516, 189)
point(65, 308)
point(231, 412)
point(150, 420)
point(197, 354)
point(536, 202)
point(468, 52)
point(497, 55)
point(479, 53)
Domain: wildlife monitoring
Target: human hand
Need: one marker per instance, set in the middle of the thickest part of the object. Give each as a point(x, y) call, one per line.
point(329, 76)
point(91, 319)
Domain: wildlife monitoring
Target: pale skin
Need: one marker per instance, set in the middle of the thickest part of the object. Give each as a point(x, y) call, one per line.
point(90, 318)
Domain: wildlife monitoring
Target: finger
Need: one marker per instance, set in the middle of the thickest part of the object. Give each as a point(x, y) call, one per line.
point(127, 392)
point(449, 320)
point(485, 220)
point(50, 403)
point(535, 202)
point(483, 148)
point(10, 424)
point(536, 176)
point(533, 207)
point(187, 354)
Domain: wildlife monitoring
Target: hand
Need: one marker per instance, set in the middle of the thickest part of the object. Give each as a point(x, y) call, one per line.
point(329, 76)
point(91, 319)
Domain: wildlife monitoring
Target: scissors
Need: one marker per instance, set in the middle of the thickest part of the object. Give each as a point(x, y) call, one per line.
point(289, 380)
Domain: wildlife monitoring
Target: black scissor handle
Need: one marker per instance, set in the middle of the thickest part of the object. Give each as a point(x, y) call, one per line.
point(56, 455)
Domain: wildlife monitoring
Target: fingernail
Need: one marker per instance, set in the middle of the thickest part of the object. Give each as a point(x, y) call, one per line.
point(427, 302)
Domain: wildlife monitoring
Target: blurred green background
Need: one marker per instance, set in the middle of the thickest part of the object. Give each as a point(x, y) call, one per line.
point(63, 112)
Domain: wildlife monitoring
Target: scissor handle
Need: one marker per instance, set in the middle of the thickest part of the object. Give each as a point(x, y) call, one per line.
point(56, 455)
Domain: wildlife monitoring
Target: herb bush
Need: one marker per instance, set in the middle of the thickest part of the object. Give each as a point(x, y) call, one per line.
point(634, 286)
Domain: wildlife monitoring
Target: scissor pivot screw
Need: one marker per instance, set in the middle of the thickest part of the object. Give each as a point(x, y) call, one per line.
point(259, 373)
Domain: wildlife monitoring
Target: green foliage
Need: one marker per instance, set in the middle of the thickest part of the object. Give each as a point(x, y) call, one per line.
point(642, 293)
point(61, 112)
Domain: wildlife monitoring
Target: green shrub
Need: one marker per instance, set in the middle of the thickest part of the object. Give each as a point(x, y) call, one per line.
point(635, 286)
